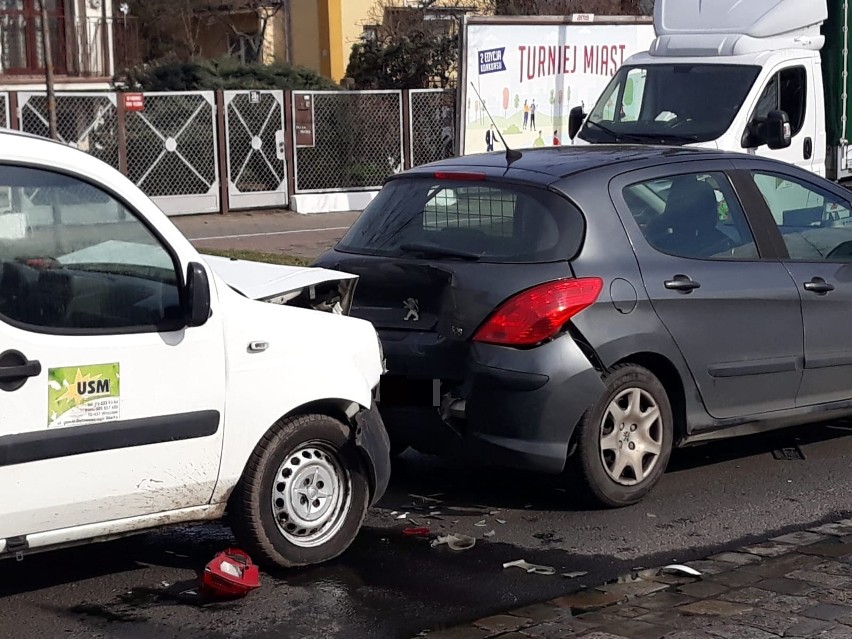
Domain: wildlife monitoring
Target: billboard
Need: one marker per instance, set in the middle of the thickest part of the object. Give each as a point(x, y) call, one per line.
point(530, 74)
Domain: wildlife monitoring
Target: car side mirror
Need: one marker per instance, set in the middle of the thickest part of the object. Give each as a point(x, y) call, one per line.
point(196, 295)
point(576, 117)
point(779, 133)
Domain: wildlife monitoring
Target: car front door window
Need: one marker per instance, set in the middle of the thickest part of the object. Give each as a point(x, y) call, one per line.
point(72, 257)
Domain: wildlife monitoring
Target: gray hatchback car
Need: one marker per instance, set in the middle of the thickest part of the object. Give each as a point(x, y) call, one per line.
point(589, 309)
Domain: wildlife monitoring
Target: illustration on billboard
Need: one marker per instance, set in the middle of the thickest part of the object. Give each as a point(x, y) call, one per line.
point(530, 76)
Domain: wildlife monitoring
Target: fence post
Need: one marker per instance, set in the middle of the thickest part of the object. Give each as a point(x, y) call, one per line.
point(222, 151)
point(408, 151)
point(14, 123)
point(289, 147)
point(121, 131)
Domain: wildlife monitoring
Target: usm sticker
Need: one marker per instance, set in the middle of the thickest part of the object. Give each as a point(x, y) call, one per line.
point(80, 395)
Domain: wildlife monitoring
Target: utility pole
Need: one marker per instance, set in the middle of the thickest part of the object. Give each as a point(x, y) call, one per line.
point(47, 53)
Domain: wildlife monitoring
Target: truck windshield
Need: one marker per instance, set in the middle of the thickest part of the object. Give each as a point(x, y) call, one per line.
point(669, 103)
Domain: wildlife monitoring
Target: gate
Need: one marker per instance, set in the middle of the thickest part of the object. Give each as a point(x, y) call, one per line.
point(171, 151)
point(4, 110)
point(86, 121)
point(432, 122)
point(257, 169)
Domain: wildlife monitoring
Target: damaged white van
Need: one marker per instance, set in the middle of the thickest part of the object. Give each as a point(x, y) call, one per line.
point(142, 384)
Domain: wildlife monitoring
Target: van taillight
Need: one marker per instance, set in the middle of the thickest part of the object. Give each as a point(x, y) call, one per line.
point(538, 313)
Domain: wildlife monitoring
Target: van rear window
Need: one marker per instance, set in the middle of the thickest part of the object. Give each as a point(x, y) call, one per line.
point(486, 221)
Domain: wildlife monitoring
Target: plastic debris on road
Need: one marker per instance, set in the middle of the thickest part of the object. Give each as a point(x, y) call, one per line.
point(530, 568)
point(420, 531)
point(490, 533)
point(574, 575)
point(231, 574)
point(455, 542)
point(681, 569)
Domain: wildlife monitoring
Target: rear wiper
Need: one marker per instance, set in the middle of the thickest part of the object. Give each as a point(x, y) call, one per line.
point(430, 250)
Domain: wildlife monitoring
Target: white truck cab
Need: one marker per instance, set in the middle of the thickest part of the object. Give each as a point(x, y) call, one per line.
point(142, 385)
point(765, 77)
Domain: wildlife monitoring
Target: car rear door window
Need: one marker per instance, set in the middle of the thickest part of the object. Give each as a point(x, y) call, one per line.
point(696, 215)
point(485, 221)
point(814, 224)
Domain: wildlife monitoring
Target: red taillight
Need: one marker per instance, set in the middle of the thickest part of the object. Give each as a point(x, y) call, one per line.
point(538, 313)
point(466, 176)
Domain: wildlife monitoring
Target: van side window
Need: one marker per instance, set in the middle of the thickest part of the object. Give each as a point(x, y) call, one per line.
point(787, 91)
point(74, 258)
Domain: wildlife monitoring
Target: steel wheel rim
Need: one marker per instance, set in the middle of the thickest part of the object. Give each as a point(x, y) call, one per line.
point(311, 495)
point(631, 439)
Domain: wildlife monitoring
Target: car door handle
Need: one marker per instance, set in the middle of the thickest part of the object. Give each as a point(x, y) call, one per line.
point(819, 286)
point(15, 369)
point(682, 284)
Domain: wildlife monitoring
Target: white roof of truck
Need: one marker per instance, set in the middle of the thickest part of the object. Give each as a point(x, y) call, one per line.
point(736, 27)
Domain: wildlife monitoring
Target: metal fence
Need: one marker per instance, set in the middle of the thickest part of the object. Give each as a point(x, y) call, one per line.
point(86, 121)
point(432, 122)
point(172, 151)
point(192, 157)
point(357, 141)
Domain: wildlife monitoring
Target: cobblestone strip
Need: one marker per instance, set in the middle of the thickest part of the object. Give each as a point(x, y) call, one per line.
point(796, 585)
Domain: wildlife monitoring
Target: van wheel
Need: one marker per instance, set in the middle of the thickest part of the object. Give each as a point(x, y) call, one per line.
point(303, 495)
point(624, 441)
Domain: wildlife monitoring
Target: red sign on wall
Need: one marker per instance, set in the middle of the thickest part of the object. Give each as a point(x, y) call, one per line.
point(134, 101)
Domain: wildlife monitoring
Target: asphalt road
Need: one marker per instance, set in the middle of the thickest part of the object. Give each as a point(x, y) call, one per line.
point(387, 585)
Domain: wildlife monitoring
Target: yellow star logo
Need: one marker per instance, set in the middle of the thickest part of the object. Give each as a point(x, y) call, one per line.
point(72, 392)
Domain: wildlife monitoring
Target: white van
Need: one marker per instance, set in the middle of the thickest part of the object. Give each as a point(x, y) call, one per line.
point(142, 384)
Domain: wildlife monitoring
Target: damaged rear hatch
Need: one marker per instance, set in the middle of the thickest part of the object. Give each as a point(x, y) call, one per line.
point(438, 252)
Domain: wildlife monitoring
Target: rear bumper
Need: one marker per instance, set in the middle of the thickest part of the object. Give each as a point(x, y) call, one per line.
point(372, 440)
point(520, 406)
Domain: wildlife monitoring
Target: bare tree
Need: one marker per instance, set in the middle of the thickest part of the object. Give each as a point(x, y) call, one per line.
point(264, 11)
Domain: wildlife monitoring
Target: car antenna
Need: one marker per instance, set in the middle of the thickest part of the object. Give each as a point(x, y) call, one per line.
point(511, 154)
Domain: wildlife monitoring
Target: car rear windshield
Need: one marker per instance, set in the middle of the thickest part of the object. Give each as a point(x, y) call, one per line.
point(485, 221)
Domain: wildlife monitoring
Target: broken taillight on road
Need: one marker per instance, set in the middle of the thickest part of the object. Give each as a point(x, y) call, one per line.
point(538, 313)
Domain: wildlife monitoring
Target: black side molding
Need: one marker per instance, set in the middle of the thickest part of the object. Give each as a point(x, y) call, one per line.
point(79, 440)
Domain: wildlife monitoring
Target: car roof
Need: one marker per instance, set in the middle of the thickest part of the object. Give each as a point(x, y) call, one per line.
point(553, 163)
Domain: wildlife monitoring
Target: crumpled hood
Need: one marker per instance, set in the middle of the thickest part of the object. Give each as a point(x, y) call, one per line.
point(309, 287)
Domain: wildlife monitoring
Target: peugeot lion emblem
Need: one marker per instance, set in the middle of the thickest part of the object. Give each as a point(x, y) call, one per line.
point(412, 308)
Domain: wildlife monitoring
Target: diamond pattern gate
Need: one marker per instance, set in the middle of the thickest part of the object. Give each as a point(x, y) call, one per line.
point(432, 118)
point(86, 121)
point(171, 151)
point(257, 168)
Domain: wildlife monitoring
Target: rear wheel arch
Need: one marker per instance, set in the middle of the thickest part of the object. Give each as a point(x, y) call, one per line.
point(669, 376)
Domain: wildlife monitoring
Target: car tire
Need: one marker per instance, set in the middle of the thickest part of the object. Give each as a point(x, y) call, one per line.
point(303, 495)
point(624, 440)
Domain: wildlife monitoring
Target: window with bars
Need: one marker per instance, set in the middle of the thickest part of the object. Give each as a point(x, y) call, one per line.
point(21, 41)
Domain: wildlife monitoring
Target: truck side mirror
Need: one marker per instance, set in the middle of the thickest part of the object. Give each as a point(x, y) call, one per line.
point(779, 133)
point(576, 117)
point(196, 297)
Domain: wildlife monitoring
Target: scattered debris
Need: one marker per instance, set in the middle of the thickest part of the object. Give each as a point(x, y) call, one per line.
point(500, 521)
point(229, 575)
point(394, 513)
point(426, 498)
point(548, 537)
point(574, 575)
point(490, 533)
point(789, 453)
point(530, 568)
point(651, 515)
point(402, 516)
point(494, 512)
point(480, 524)
point(421, 531)
point(165, 584)
point(434, 513)
point(680, 568)
point(455, 542)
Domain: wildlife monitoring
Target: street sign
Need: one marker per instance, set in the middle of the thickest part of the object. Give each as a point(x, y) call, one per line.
point(134, 101)
point(254, 97)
